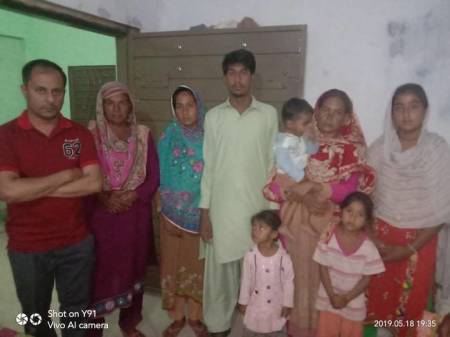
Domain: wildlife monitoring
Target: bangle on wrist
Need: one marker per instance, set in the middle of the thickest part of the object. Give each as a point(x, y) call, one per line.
point(412, 249)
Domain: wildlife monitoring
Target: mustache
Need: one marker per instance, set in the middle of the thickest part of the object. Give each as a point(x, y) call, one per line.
point(51, 106)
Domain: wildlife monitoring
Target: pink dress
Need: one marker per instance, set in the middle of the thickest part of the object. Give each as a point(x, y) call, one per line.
point(267, 285)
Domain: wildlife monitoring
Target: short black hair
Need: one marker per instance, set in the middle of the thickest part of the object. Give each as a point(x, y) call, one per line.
point(241, 56)
point(411, 88)
point(269, 217)
point(362, 198)
point(41, 63)
point(294, 107)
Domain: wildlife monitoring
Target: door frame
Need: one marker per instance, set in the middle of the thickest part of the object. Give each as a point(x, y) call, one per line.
point(68, 16)
point(72, 17)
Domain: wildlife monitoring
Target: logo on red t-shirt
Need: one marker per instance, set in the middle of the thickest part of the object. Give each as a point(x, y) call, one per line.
point(71, 148)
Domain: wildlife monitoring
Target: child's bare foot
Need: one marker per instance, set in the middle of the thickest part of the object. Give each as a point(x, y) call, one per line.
point(174, 328)
point(199, 328)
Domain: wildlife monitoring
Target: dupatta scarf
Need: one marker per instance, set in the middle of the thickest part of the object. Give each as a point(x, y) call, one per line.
point(123, 162)
point(413, 186)
point(336, 160)
point(339, 157)
point(181, 162)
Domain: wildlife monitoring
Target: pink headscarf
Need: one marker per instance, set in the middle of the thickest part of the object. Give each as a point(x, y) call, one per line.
point(123, 161)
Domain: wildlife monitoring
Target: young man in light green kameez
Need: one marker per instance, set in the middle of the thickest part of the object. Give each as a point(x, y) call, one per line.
point(239, 134)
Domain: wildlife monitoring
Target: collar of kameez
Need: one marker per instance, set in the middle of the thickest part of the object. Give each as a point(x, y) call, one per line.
point(253, 104)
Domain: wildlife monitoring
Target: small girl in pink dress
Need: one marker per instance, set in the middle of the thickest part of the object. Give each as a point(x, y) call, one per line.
point(347, 259)
point(267, 282)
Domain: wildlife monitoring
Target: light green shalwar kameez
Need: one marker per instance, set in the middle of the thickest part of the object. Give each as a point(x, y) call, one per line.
point(238, 157)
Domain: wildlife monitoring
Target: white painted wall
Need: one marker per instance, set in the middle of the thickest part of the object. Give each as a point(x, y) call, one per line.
point(364, 47)
point(137, 13)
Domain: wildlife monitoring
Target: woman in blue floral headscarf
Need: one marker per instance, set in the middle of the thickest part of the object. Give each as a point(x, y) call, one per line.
point(181, 158)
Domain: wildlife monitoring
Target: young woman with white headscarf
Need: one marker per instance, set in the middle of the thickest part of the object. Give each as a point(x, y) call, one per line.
point(412, 198)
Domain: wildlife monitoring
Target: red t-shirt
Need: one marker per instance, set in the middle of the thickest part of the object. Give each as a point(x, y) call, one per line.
point(47, 223)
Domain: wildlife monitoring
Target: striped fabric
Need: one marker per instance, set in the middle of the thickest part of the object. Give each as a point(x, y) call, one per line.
point(345, 271)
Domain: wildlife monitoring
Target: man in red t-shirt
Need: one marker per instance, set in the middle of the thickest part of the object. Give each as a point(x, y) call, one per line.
point(47, 164)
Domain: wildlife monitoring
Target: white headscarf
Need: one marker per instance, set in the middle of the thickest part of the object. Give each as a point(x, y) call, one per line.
point(413, 186)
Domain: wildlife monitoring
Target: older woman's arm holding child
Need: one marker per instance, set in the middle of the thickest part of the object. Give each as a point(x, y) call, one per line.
point(315, 195)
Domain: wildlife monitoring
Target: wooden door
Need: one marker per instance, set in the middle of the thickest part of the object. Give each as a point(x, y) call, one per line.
point(154, 64)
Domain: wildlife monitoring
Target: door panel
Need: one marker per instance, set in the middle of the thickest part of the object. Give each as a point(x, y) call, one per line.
point(84, 84)
point(219, 42)
point(12, 59)
point(156, 63)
